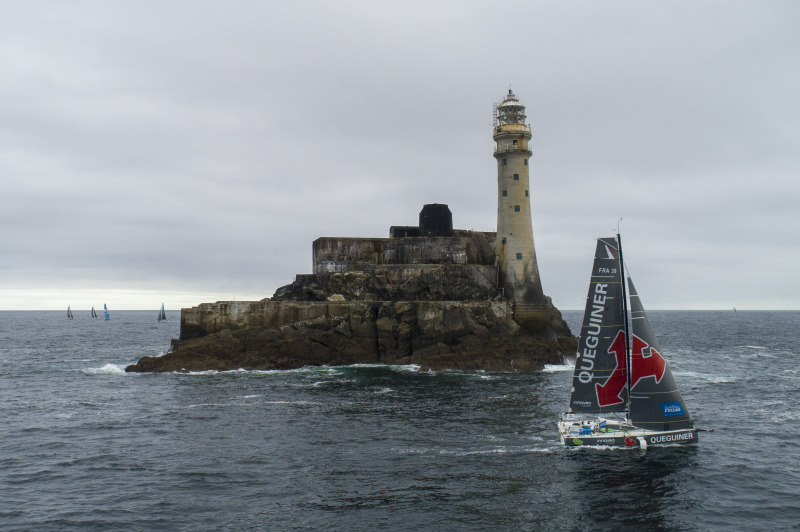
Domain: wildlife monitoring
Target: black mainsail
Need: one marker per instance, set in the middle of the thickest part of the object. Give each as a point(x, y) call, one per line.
point(656, 402)
point(599, 383)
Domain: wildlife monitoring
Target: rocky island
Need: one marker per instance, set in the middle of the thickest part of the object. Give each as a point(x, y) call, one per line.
point(430, 295)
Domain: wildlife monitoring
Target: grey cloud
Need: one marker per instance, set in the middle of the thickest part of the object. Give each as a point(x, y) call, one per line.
point(195, 147)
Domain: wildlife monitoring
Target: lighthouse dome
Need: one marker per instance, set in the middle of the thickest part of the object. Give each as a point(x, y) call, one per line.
point(510, 111)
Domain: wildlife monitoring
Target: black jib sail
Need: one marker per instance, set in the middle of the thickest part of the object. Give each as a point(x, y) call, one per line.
point(656, 403)
point(599, 383)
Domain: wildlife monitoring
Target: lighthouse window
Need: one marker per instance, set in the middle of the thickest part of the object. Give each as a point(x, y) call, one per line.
point(526, 193)
point(515, 143)
point(504, 162)
point(526, 162)
point(516, 208)
point(516, 177)
point(505, 193)
point(504, 240)
point(519, 256)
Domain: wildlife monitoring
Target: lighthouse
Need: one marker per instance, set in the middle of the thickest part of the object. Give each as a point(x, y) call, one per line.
point(518, 271)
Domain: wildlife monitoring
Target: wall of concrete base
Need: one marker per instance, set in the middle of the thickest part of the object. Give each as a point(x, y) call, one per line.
point(334, 254)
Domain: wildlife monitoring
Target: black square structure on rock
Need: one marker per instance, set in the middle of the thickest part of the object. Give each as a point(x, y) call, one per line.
point(435, 219)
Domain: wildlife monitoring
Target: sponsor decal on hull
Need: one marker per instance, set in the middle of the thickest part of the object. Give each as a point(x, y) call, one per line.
point(654, 439)
point(679, 437)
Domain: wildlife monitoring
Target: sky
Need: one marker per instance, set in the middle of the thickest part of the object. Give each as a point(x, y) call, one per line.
point(191, 151)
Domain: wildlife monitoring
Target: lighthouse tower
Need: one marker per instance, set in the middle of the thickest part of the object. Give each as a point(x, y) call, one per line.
point(518, 271)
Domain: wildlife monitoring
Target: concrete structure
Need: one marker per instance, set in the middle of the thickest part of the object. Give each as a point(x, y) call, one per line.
point(343, 254)
point(518, 270)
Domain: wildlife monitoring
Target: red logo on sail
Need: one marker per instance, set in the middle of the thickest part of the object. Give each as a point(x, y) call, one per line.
point(645, 362)
point(609, 393)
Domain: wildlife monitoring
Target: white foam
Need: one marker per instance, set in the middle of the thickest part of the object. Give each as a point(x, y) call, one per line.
point(412, 450)
point(109, 369)
point(716, 379)
point(396, 367)
point(542, 449)
point(499, 450)
point(554, 368)
point(291, 403)
point(412, 368)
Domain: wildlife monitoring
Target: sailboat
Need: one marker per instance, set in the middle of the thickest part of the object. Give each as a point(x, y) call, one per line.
point(69, 313)
point(94, 313)
point(623, 392)
point(162, 316)
point(105, 312)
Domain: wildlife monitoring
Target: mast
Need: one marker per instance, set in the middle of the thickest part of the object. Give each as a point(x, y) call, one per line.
point(625, 320)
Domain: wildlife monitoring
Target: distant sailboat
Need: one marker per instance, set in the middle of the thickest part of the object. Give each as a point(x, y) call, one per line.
point(69, 314)
point(105, 311)
point(162, 316)
point(94, 313)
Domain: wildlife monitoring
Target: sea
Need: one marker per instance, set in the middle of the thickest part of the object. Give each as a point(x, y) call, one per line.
point(86, 446)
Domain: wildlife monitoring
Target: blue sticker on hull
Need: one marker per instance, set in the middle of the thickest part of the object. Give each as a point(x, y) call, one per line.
point(672, 409)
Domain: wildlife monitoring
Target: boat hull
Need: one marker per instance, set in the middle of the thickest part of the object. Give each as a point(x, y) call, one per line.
point(635, 438)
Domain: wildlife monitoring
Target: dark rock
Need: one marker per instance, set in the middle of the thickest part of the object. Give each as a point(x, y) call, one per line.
point(442, 316)
point(437, 335)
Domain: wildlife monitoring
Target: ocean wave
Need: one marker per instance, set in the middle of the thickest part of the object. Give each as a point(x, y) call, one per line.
point(451, 452)
point(301, 402)
point(108, 369)
point(705, 377)
point(554, 368)
point(413, 368)
point(513, 449)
